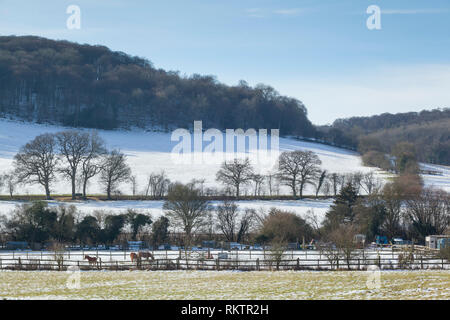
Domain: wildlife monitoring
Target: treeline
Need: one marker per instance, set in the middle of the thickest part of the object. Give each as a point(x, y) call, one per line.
point(90, 86)
point(427, 131)
point(402, 208)
point(39, 224)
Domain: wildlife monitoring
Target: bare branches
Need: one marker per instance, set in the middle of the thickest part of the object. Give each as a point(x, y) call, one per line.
point(235, 174)
point(36, 162)
point(297, 169)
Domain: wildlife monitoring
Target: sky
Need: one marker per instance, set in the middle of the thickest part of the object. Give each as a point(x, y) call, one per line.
point(320, 52)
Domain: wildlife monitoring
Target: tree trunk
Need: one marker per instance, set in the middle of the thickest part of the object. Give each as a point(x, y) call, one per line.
point(47, 191)
point(84, 188)
point(73, 187)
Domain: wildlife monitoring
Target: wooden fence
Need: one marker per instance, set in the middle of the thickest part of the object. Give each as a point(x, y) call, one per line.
point(235, 260)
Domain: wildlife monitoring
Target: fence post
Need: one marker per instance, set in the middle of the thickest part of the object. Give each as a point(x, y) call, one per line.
point(217, 264)
point(421, 262)
point(257, 264)
point(359, 268)
point(442, 263)
point(298, 263)
point(1, 267)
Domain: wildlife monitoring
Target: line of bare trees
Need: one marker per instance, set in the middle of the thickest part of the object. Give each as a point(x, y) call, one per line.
point(75, 155)
point(296, 170)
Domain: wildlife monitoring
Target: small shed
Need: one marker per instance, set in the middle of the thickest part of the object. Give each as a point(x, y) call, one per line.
point(433, 240)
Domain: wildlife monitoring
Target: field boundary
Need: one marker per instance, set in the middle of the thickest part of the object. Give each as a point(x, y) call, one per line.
point(235, 260)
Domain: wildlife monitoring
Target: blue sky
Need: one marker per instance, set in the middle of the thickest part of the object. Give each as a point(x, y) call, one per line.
point(320, 52)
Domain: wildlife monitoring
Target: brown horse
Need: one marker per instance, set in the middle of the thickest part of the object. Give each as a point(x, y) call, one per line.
point(134, 256)
point(92, 260)
point(146, 255)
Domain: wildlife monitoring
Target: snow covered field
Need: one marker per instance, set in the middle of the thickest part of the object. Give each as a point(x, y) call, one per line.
point(151, 152)
point(189, 285)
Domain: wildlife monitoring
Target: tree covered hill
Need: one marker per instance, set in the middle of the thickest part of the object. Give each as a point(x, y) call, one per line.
point(427, 132)
point(78, 85)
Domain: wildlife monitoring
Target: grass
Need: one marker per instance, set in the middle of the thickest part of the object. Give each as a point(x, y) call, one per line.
point(165, 285)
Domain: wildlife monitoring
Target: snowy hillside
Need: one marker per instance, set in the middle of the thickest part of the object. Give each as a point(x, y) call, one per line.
point(151, 152)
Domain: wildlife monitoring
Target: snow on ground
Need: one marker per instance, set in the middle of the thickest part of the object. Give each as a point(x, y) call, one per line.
point(437, 181)
point(218, 285)
point(151, 152)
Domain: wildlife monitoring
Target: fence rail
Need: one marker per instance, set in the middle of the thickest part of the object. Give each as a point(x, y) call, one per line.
point(237, 260)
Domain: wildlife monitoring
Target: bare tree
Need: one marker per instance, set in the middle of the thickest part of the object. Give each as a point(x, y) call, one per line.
point(91, 163)
point(157, 184)
point(73, 146)
point(186, 209)
point(369, 183)
point(272, 183)
point(9, 179)
point(114, 171)
point(258, 181)
point(246, 224)
point(235, 174)
point(344, 240)
point(226, 214)
point(334, 181)
point(133, 181)
point(429, 212)
point(298, 168)
point(36, 162)
point(320, 181)
point(393, 199)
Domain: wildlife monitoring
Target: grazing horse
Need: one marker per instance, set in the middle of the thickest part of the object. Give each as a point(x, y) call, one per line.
point(134, 256)
point(146, 255)
point(92, 260)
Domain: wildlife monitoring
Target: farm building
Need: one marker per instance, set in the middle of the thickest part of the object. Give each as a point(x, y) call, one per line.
point(437, 241)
